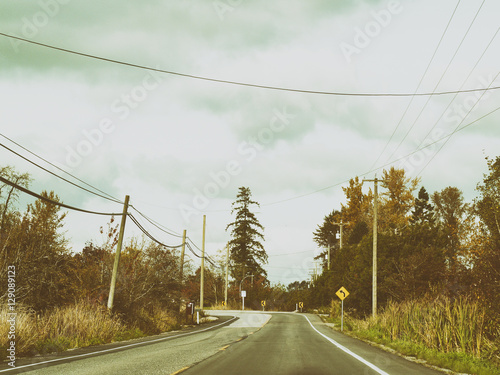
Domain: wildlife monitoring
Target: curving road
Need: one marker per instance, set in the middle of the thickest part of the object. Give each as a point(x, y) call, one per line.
point(238, 343)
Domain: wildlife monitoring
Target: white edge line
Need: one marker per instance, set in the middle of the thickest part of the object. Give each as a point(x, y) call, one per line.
point(343, 348)
point(117, 348)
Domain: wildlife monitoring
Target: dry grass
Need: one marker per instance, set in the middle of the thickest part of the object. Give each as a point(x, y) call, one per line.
point(79, 325)
point(448, 326)
point(230, 306)
point(446, 333)
point(26, 334)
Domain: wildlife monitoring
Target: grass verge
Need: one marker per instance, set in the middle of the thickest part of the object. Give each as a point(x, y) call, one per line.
point(443, 333)
point(76, 326)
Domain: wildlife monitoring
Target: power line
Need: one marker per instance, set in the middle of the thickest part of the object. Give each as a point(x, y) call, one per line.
point(149, 235)
point(418, 86)
point(60, 169)
point(457, 128)
point(298, 252)
point(48, 200)
point(463, 83)
point(440, 79)
point(60, 177)
point(156, 224)
point(385, 165)
point(237, 83)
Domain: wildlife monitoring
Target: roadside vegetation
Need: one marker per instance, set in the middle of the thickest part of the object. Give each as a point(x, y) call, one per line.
point(79, 325)
point(444, 333)
point(438, 273)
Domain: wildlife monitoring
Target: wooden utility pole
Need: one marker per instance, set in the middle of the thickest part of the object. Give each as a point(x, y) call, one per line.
point(227, 275)
point(374, 271)
point(181, 267)
point(202, 270)
point(112, 286)
point(328, 267)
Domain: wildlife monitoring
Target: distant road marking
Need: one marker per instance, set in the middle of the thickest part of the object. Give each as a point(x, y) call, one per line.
point(249, 320)
point(224, 347)
point(344, 349)
point(179, 371)
point(118, 347)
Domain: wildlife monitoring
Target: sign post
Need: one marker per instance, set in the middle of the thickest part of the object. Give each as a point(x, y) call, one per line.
point(263, 303)
point(301, 305)
point(342, 293)
point(243, 295)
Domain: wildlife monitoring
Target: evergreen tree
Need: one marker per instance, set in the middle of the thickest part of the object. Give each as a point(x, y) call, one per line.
point(423, 212)
point(326, 234)
point(247, 253)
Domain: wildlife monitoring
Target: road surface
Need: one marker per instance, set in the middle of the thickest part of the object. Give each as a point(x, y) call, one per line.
point(244, 343)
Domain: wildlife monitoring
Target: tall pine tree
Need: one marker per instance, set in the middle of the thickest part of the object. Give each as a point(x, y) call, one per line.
point(246, 250)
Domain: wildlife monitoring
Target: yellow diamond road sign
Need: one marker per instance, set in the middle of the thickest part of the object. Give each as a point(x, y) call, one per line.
point(263, 303)
point(301, 304)
point(342, 293)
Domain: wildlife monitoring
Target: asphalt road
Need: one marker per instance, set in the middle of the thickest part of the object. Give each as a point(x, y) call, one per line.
point(250, 343)
point(293, 344)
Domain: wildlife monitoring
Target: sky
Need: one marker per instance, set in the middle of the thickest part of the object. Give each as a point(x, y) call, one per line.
point(180, 146)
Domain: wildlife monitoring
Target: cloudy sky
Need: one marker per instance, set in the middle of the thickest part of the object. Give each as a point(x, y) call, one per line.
point(181, 146)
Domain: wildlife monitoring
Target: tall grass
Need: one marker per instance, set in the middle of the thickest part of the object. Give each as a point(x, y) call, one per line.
point(79, 325)
point(453, 327)
point(443, 324)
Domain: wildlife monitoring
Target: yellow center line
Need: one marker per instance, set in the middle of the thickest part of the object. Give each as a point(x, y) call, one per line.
point(179, 371)
point(224, 347)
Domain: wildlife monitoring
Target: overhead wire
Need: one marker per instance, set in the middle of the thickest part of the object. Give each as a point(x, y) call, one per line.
point(387, 164)
point(418, 86)
point(439, 81)
point(156, 224)
point(237, 83)
point(48, 200)
point(60, 177)
point(456, 129)
point(58, 168)
point(463, 83)
point(149, 235)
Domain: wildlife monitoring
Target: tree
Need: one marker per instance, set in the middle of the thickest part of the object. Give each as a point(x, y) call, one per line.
point(326, 234)
point(488, 205)
point(357, 207)
point(397, 200)
point(148, 275)
point(39, 251)
point(247, 253)
point(451, 211)
point(484, 249)
point(8, 196)
point(423, 212)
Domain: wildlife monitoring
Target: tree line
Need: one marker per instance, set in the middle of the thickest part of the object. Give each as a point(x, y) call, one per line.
point(429, 245)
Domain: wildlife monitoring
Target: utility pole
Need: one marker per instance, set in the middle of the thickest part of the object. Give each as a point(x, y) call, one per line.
point(374, 271)
point(112, 287)
point(202, 270)
point(328, 258)
point(181, 266)
point(341, 225)
point(227, 274)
